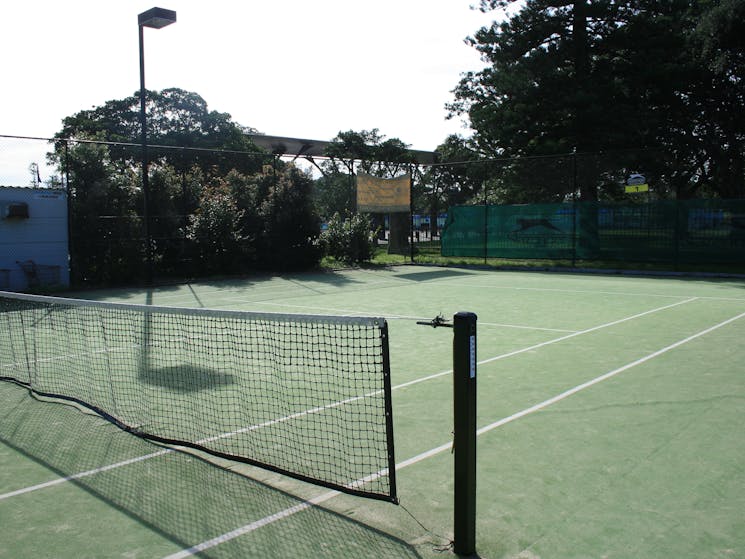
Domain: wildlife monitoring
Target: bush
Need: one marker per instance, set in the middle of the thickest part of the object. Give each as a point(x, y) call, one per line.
point(349, 240)
point(291, 230)
point(213, 231)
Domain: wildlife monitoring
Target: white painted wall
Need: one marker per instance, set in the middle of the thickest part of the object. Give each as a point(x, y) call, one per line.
point(39, 241)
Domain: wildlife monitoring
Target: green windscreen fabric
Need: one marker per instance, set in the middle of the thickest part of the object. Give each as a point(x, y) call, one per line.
point(525, 231)
point(690, 231)
point(711, 231)
point(464, 231)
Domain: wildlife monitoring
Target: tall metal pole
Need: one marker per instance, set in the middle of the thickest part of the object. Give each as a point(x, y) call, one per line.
point(71, 262)
point(486, 223)
point(145, 178)
point(156, 18)
point(574, 207)
point(411, 213)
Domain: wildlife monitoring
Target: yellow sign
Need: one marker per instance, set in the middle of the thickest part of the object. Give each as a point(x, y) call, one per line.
point(637, 188)
point(375, 195)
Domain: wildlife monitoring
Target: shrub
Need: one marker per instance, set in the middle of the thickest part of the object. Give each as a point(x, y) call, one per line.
point(291, 230)
point(213, 229)
point(350, 239)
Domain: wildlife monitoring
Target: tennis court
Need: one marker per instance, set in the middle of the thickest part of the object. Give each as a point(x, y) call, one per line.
point(610, 414)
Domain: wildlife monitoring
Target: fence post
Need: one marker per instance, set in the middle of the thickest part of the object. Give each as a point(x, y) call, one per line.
point(71, 260)
point(464, 432)
point(574, 207)
point(411, 214)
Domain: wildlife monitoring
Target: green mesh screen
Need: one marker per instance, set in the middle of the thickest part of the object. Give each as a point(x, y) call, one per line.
point(690, 231)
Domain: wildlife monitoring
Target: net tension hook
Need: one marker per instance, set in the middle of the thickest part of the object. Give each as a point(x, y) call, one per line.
point(439, 320)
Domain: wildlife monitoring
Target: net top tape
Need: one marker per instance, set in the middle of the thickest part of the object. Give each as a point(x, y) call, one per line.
point(343, 320)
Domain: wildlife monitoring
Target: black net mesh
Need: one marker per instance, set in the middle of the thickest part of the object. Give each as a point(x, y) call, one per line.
point(308, 396)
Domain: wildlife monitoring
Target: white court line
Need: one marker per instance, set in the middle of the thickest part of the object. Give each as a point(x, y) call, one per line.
point(606, 376)
point(63, 357)
point(201, 442)
point(592, 292)
point(501, 325)
point(442, 448)
point(549, 342)
point(235, 294)
point(352, 312)
point(398, 386)
point(84, 474)
point(253, 526)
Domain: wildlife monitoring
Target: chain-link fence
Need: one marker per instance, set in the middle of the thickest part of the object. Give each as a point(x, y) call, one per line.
point(118, 233)
point(624, 207)
point(664, 231)
point(205, 210)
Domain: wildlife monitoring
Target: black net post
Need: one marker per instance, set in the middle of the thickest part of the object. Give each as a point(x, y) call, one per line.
point(464, 432)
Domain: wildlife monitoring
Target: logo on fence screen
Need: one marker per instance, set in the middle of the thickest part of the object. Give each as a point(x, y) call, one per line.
point(537, 231)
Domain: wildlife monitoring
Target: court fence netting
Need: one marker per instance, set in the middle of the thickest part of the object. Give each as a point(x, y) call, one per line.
point(561, 208)
point(302, 395)
point(672, 232)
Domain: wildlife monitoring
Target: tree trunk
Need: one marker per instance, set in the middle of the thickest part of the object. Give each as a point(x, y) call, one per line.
point(398, 241)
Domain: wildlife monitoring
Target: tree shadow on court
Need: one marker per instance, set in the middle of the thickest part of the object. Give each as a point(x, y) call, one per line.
point(185, 378)
point(178, 496)
point(329, 277)
point(433, 275)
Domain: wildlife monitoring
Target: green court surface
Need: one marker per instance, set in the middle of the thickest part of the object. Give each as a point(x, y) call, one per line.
point(610, 414)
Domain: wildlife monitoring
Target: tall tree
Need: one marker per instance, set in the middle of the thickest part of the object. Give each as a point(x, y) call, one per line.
point(604, 75)
point(176, 118)
point(716, 138)
point(367, 151)
point(210, 208)
point(291, 226)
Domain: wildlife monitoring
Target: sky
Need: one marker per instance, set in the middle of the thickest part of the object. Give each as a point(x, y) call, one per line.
point(298, 68)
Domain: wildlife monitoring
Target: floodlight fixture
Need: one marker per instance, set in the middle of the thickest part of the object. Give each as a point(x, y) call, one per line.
point(156, 18)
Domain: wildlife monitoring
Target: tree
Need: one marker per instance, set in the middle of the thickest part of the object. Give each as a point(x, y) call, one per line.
point(334, 193)
point(176, 118)
point(604, 76)
point(214, 232)
point(717, 133)
point(291, 226)
point(349, 239)
point(368, 151)
point(460, 174)
point(104, 222)
point(202, 148)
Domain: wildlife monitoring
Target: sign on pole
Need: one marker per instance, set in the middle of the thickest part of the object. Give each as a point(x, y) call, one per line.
point(636, 183)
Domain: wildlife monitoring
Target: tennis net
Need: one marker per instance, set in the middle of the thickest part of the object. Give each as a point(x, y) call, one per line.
point(306, 396)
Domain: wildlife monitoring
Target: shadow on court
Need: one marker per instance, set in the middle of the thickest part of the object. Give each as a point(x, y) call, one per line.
point(433, 275)
point(185, 378)
point(179, 496)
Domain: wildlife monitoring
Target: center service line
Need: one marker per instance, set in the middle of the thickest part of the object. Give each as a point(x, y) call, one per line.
point(550, 342)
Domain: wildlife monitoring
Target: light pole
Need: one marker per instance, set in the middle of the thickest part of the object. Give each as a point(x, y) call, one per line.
point(155, 18)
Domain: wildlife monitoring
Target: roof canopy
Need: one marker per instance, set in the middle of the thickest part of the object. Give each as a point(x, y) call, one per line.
point(280, 145)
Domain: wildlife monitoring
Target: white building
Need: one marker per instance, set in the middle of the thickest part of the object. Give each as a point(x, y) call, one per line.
point(33, 239)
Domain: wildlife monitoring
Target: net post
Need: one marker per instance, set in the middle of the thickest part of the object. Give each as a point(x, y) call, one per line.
point(388, 411)
point(464, 432)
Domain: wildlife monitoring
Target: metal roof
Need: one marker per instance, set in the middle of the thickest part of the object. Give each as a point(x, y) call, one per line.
point(299, 147)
